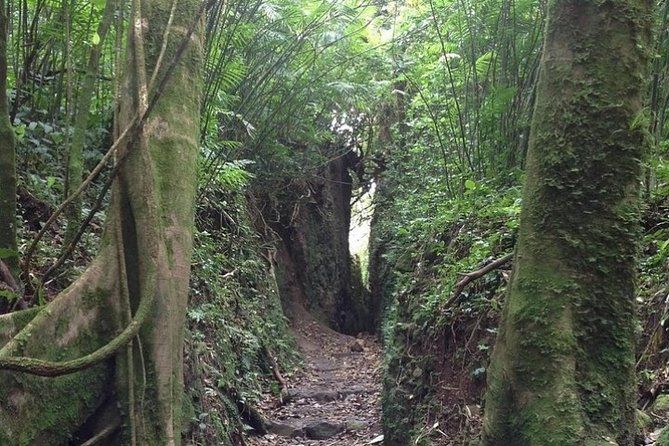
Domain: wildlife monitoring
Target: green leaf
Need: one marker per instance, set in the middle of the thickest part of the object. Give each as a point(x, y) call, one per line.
point(664, 245)
point(483, 63)
point(95, 39)
point(20, 131)
point(470, 185)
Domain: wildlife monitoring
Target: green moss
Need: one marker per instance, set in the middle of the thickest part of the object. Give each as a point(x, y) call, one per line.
point(12, 323)
point(36, 410)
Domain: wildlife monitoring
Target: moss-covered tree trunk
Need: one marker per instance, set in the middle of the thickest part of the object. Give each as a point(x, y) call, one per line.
point(142, 271)
point(7, 160)
point(562, 372)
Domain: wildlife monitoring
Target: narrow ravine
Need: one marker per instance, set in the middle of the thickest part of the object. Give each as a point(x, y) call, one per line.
point(334, 399)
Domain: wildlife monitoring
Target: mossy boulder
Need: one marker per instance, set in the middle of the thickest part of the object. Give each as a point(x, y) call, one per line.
point(661, 404)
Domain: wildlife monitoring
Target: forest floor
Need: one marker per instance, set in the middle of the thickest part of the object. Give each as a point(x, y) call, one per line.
point(334, 399)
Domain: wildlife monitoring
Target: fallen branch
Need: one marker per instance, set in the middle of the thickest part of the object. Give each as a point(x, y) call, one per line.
point(470, 277)
point(283, 385)
point(230, 274)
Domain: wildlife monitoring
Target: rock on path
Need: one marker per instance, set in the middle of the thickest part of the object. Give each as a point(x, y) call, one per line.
point(335, 399)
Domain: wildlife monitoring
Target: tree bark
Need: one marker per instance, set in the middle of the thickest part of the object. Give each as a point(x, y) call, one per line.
point(7, 160)
point(562, 372)
point(145, 258)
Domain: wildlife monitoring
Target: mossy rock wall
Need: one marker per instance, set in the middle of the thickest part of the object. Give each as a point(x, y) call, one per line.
point(313, 262)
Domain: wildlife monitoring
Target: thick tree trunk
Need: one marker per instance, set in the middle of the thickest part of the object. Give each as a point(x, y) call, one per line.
point(142, 270)
point(7, 160)
point(172, 137)
point(562, 372)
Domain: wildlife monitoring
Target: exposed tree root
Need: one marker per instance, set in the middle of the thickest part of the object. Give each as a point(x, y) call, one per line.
point(11, 324)
point(36, 410)
point(47, 368)
point(470, 277)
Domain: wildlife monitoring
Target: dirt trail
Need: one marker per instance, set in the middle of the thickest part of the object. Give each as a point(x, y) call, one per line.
point(335, 399)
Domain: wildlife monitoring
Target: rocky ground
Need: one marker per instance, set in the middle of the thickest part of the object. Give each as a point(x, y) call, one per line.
point(334, 399)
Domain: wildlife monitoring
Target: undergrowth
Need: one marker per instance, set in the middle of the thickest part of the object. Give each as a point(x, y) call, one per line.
point(235, 322)
point(436, 354)
point(437, 348)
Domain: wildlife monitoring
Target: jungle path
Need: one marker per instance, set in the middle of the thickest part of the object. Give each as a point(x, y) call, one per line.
point(334, 399)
